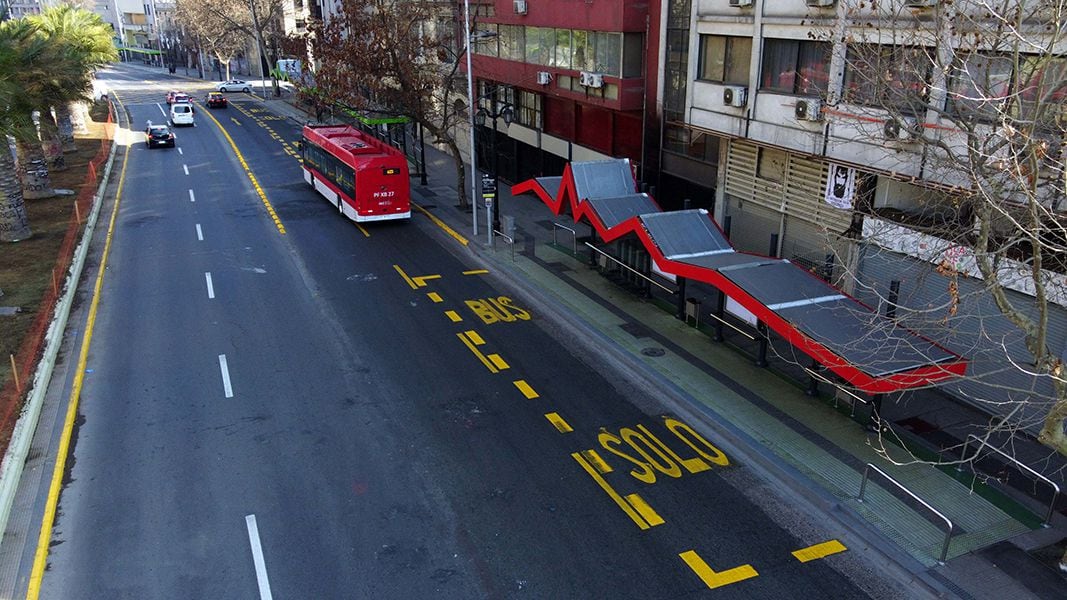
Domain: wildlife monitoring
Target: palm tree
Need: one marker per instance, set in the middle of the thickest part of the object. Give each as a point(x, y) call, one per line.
point(23, 56)
point(90, 40)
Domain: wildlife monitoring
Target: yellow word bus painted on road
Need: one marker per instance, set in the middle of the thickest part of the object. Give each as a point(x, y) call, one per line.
point(650, 454)
point(497, 310)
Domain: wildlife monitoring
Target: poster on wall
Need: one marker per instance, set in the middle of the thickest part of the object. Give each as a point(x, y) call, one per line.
point(840, 186)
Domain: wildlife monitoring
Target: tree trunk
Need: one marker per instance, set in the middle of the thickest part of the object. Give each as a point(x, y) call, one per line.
point(461, 175)
point(14, 224)
point(64, 120)
point(33, 170)
point(53, 147)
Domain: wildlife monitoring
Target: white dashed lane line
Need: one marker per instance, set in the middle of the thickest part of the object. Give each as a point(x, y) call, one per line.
point(199, 233)
point(210, 287)
point(186, 169)
point(257, 558)
point(226, 387)
point(192, 198)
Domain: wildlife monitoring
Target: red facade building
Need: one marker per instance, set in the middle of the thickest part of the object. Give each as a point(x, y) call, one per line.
point(581, 78)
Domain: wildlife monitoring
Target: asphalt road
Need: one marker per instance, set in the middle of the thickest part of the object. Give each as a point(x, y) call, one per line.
point(346, 412)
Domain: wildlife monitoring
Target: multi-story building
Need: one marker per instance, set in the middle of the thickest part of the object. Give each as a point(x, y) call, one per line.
point(578, 77)
point(841, 129)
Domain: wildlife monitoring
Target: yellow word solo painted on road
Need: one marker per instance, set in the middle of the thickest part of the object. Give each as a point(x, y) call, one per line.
point(497, 310)
point(652, 455)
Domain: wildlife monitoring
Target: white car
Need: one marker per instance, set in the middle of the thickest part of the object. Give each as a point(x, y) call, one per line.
point(181, 113)
point(234, 85)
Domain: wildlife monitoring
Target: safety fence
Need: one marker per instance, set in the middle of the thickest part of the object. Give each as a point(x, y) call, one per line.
point(24, 362)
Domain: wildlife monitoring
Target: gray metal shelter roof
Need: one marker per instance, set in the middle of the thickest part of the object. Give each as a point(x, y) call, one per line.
point(862, 337)
point(722, 260)
point(685, 233)
point(603, 179)
point(779, 283)
point(551, 184)
point(613, 211)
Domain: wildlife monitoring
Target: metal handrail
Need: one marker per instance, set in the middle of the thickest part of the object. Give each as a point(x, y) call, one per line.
point(1055, 487)
point(632, 270)
point(948, 534)
point(574, 235)
point(511, 241)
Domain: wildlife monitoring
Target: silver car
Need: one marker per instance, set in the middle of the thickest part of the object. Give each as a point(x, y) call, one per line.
point(234, 85)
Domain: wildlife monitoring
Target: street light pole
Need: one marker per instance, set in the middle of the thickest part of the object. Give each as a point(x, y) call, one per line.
point(470, 100)
point(507, 112)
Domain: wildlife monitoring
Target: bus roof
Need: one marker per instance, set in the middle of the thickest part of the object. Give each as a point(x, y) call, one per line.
point(348, 143)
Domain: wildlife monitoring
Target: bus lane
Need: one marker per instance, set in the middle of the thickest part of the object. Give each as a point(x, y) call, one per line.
point(625, 460)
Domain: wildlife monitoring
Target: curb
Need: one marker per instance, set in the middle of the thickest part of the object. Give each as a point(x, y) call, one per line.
point(15, 458)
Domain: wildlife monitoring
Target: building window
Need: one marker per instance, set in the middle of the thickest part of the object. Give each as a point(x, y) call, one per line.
point(771, 164)
point(528, 109)
point(725, 59)
point(298, 4)
point(698, 145)
point(796, 67)
point(512, 45)
point(890, 77)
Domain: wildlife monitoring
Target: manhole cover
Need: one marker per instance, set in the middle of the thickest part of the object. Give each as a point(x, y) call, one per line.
point(653, 352)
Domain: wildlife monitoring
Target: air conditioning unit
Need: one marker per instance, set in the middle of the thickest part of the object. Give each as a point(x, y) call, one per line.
point(520, 7)
point(920, 3)
point(900, 130)
point(593, 80)
point(820, 2)
point(544, 78)
point(734, 96)
point(808, 110)
point(740, 3)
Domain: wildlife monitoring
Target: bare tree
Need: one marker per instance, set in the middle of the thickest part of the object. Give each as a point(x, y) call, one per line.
point(258, 20)
point(400, 58)
point(219, 37)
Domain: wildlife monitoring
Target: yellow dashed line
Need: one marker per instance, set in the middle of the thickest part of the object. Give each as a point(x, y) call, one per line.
point(713, 579)
point(644, 510)
point(819, 551)
point(526, 389)
point(453, 316)
point(476, 272)
point(595, 460)
point(435, 297)
point(474, 337)
point(561, 425)
point(498, 362)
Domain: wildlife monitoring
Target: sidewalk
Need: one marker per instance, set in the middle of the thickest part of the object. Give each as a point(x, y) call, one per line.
point(805, 444)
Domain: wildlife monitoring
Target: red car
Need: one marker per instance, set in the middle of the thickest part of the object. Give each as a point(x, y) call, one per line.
point(216, 100)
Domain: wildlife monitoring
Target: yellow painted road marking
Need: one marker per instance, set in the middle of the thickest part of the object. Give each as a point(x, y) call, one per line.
point(248, 171)
point(452, 232)
point(623, 504)
point(474, 337)
point(819, 551)
point(477, 272)
point(453, 316)
point(644, 509)
point(405, 276)
point(235, 121)
point(498, 362)
point(435, 297)
point(363, 230)
point(595, 460)
point(713, 579)
point(40, 557)
point(526, 389)
point(561, 425)
point(421, 281)
point(471, 346)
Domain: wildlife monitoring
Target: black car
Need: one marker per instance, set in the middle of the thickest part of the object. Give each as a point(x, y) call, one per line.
point(158, 135)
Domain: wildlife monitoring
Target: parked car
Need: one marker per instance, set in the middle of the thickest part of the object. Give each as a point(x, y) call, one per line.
point(181, 113)
point(158, 135)
point(234, 85)
point(170, 96)
point(216, 100)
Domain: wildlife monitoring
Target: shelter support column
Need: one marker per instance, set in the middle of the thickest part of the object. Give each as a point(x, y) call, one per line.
point(761, 353)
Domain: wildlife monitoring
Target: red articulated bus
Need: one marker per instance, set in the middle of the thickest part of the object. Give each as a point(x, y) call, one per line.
point(365, 178)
